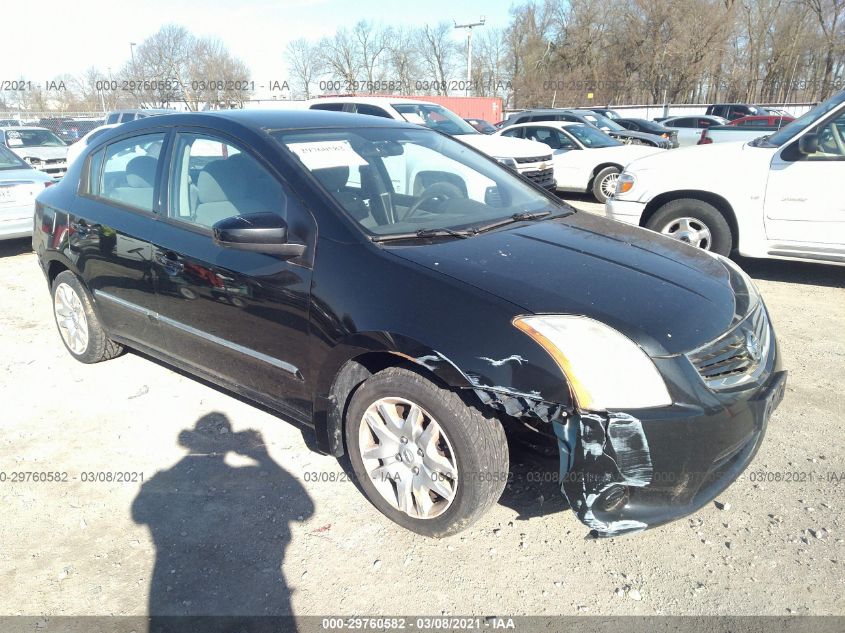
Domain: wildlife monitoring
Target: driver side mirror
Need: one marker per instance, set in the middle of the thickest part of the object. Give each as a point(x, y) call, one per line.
point(809, 144)
point(257, 232)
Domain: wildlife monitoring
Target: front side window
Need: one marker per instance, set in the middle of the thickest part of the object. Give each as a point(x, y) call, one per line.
point(393, 181)
point(551, 137)
point(212, 180)
point(804, 121)
point(128, 172)
point(831, 138)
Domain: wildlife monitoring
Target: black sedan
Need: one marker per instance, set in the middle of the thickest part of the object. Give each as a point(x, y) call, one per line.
point(649, 127)
point(411, 299)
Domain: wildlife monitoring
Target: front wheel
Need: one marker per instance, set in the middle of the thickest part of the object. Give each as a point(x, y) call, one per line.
point(604, 184)
point(694, 222)
point(426, 459)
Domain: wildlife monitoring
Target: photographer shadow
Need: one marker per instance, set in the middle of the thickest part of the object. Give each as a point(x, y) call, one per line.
point(220, 531)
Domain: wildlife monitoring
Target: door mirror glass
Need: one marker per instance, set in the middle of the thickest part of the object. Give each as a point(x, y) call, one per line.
point(265, 232)
point(809, 144)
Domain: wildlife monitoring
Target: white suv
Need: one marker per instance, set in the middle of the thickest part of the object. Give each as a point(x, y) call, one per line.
point(530, 159)
point(777, 196)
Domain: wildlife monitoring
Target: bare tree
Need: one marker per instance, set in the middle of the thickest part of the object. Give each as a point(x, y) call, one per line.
point(305, 64)
point(437, 51)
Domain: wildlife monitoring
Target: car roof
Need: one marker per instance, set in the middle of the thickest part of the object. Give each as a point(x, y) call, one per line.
point(19, 128)
point(546, 124)
point(260, 121)
point(370, 100)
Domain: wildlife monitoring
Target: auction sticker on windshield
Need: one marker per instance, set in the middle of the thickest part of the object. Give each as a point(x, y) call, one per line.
point(325, 154)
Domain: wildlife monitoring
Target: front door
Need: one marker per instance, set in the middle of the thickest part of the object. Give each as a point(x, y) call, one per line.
point(240, 316)
point(804, 195)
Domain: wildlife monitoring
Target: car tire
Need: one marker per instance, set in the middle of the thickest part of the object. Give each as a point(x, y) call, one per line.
point(695, 222)
point(467, 448)
point(78, 325)
point(604, 183)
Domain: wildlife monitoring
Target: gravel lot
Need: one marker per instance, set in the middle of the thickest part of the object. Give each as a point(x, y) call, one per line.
point(282, 530)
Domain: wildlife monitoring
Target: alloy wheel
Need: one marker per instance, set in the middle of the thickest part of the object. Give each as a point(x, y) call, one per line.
point(71, 319)
point(689, 230)
point(408, 457)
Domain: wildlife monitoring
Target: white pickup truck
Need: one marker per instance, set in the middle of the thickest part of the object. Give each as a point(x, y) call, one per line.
point(778, 196)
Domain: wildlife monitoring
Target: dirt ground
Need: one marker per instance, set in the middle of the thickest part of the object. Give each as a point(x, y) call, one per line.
point(284, 526)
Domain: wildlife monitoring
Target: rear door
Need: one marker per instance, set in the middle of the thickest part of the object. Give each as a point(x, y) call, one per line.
point(110, 229)
point(240, 316)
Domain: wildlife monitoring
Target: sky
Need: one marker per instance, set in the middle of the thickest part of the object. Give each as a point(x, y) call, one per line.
point(98, 32)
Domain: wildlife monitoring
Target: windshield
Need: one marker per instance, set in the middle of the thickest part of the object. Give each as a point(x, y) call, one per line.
point(590, 137)
point(395, 181)
point(434, 116)
point(9, 160)
point(32, 138)
point(804, 121)
point(603, 122)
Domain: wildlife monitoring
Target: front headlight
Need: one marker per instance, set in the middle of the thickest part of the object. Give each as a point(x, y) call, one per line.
point(605, 369)
point(506, 161)
point(625, 183)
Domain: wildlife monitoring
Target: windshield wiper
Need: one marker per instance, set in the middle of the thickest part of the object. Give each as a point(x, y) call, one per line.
point(463, 233)
point(425, 234)
point(516, 217)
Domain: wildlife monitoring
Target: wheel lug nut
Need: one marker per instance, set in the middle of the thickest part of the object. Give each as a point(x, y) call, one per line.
point(398, 457)
point(404, 440)
point(419, 452)
point(416, 470)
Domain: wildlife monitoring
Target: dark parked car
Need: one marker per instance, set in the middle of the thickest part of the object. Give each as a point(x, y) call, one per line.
point(649, 127)
point(588, 117)
point(124, 116)
point(610, 114)
point(74, 129)
point(731, 111)
point(411, 322)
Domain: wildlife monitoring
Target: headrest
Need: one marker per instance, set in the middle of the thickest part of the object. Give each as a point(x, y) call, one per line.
point(218, 182)
point(332, 178)
point(141, 171)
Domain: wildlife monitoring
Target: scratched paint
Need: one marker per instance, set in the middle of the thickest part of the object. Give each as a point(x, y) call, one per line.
point(515, 358)
point(597, 453)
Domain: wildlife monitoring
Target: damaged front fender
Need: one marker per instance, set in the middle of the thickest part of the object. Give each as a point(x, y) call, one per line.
point(601, 458)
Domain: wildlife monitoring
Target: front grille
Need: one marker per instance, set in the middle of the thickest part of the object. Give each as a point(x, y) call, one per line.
point(542, 177)
point(534, 159)
point(737, 356)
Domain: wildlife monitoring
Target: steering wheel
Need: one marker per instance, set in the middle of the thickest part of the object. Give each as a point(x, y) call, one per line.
point(830, 140)
point(444, 190)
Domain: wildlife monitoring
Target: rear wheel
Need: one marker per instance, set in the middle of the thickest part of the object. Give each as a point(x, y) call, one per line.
point(694, 222)
point(423, 457)
point(604, 184)
point(78, 326)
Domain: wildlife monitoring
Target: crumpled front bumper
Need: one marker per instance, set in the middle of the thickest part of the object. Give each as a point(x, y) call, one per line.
point(625, 472)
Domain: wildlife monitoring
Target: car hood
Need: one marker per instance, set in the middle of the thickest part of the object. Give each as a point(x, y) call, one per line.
point(503, 147)
point(24, 174)
point(719, 156)
point(623, 154)
point(45, 153)
point(667, 296)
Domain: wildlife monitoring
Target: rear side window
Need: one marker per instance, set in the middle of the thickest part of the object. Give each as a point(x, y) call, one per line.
point(334, 107)
point(128, 171)
point(113, 118)
point(363, 108)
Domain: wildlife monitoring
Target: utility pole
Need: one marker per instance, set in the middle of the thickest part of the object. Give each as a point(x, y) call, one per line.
point(469, 27)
